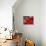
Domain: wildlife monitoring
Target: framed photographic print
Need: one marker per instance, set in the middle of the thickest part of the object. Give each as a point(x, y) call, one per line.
point(28, 20)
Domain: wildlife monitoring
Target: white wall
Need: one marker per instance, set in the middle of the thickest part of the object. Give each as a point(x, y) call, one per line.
point(29, 8)
point(6, 13)
point(43, 22)
point(40, 20)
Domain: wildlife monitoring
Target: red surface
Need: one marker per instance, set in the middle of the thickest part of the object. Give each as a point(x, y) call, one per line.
point(28, 19)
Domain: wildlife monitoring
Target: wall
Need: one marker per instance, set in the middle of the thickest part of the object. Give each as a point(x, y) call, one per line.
point(28, 8)
point(43, 22)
